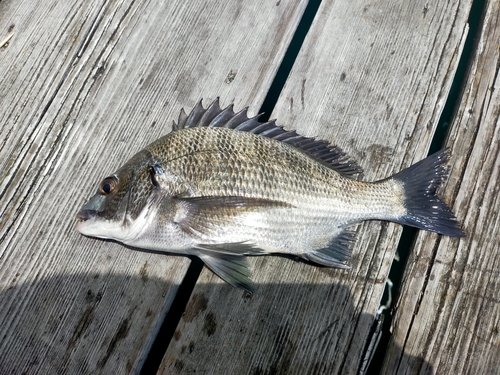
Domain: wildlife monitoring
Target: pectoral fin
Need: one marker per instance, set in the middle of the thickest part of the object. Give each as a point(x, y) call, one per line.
point(231, 268)
point(236, 248)
point(200, 215)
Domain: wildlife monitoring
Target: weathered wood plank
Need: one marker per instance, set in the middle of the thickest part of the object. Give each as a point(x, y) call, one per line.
point(373, 79)
point(448, 314)
point(84, 85)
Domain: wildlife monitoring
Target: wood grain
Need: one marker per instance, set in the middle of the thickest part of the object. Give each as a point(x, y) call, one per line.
point(372, 78)
point(83, 86)
point(448, 314)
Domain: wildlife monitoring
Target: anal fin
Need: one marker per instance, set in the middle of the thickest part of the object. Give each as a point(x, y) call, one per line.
point(337, 253)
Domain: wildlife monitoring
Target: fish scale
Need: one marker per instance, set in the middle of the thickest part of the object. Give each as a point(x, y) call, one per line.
point(212, 167)
point(222, 186)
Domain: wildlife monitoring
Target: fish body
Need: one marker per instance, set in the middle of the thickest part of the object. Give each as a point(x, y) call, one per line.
point(221, 186)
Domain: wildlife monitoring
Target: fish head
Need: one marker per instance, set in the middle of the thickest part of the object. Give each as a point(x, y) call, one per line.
point(122, 203)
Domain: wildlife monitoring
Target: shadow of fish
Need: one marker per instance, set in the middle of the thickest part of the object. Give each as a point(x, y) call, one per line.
point(221, 186)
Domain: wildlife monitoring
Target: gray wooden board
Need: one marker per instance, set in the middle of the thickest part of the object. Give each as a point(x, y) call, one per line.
point(372, 78)
point(448, 317)
point(83, 86)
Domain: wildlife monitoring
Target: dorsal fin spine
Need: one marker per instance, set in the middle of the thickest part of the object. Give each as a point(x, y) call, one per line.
point(237, 119)
point(182, 119)
point(195, 116)
point(212, 111)
point(222, 118)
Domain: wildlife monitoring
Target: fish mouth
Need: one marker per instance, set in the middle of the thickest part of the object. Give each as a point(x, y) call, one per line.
point(85, 215)
point(87, 223)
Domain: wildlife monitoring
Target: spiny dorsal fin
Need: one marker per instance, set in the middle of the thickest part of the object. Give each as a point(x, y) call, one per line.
point(214, 116)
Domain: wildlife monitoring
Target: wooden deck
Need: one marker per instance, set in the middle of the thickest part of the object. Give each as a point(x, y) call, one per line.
point(84, 85)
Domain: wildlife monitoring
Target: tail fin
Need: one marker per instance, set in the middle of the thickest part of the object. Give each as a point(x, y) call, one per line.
point(424, 209)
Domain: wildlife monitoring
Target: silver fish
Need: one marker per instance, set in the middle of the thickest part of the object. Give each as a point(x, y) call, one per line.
point(221, 186)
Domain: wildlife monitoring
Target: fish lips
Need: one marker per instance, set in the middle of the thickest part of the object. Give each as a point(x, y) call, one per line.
point(93, 220)
point(90, 211)
point(85, 218)
point(89, 215)
point(91, 224)
point(85, 215)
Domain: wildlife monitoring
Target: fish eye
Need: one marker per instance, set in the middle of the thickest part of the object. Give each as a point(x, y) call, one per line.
point(107, 185)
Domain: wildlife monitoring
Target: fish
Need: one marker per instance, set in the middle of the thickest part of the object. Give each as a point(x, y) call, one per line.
point(223, 186)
